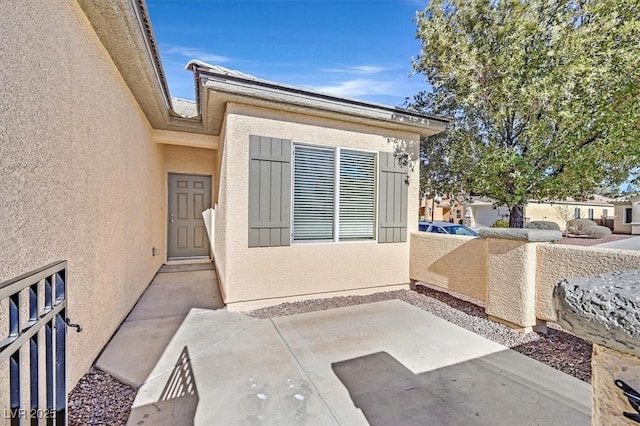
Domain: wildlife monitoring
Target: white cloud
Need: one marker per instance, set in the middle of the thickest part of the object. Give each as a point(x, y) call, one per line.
point(358, 87)
point(359, 69)
point(196, 53)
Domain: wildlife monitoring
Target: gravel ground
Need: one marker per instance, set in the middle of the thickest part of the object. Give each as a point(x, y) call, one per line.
point(578, 241)
point(100, 399)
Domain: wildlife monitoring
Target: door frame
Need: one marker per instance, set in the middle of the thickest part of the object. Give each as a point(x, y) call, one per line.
point(166, 216)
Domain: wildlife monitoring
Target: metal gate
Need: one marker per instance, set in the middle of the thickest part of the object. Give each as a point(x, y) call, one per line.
point(33, 354)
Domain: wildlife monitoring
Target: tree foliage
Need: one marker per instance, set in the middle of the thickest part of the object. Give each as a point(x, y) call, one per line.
point(545, 96)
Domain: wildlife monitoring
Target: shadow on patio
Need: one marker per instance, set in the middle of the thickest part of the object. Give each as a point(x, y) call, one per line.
point(482, 391)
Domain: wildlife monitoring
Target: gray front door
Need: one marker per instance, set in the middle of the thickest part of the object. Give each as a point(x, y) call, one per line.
point(189, 196)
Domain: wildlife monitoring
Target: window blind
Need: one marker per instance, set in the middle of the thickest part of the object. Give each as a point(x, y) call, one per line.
point(357, 195)
point(313, 194)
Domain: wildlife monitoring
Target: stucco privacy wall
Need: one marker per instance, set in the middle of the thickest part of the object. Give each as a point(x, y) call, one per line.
point(556, 261)
point(301, 269)
point(81, 179)
point(454, 262)
point(462, 265)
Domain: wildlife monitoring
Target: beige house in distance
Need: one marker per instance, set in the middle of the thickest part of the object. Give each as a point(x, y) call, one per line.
point(481, 213)
point(443, 209)
point(303, 192)
point(627, 220)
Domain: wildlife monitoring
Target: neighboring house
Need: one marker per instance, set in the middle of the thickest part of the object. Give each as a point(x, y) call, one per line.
point(483, 213)
point(627, 212)
point(100, 167)
point(443, 209)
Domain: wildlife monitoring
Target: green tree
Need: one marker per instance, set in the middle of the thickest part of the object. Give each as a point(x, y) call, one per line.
point(545, 97)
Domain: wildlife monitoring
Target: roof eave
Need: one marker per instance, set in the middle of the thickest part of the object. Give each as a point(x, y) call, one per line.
point(257, 92)
point(124, 29)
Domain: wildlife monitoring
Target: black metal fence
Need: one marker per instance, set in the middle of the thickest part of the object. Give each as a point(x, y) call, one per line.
point(34, 305)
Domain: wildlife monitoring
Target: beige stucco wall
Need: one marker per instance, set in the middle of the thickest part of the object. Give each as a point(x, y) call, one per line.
point(609, 402)
point(557, 261)
point(220, 204)
point(515, 278)
point(300, 269)
point(619, 224)
point(454, 262)
point(511, 267)
point(81, 179)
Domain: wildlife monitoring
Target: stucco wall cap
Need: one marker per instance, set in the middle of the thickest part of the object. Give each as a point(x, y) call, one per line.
point(521, 234)
point(604, 309)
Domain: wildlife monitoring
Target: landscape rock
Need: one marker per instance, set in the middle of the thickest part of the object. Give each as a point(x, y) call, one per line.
point(604, 309)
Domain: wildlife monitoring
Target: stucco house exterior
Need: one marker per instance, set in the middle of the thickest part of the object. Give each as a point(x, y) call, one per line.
point(102, 168)
point(627, 211)
point(448, 210)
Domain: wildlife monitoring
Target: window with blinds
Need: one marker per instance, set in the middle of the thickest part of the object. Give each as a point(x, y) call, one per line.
point(327, 199)
point(357, 195)
point(313, 194)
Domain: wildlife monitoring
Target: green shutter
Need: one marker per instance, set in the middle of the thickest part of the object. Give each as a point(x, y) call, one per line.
point(392, 200)
point(269, 192)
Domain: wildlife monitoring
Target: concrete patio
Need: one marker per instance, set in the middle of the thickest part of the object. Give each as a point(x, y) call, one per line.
point(385, 363)
point(632, 243)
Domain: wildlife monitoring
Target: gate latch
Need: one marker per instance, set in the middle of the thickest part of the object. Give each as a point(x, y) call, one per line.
point(70, 324)
point(634, 399)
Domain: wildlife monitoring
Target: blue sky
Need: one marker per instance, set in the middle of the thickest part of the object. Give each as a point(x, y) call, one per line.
point(353, 48)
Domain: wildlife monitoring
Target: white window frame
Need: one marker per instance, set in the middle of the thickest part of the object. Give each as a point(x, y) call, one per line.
point(336, 202)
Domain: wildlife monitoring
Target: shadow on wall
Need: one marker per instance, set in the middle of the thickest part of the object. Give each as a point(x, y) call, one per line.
point(178, 401)
point(462, 270)
point(482, 391)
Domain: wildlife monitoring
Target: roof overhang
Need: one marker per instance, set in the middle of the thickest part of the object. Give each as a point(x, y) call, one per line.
point(124, 29)
point(216, 89)
point(629, 199)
